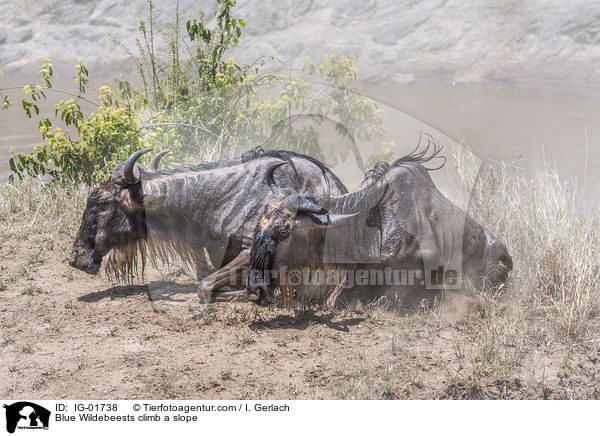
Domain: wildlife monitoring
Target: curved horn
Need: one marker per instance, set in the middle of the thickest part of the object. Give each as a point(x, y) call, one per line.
point(331, 218)
point(128, 170)
point(269, 175)
point(305, 205)
point(325, 182)
point(155, 162)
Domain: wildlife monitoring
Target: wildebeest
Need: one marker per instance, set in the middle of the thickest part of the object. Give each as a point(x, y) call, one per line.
point(183, 211)
point(396, 236)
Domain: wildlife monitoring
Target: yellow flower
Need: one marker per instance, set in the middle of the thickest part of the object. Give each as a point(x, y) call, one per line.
point(11, 150)
point(27, 89)
point(47, 60)
point(104, 91)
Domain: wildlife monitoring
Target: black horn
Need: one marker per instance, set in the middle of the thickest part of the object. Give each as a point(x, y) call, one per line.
point(325, 182)
point(155, 162)
point(305, 205)
point(129, 168)
point(269, 176)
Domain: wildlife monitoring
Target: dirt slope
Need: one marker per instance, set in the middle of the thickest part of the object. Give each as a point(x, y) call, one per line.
point(64, 334)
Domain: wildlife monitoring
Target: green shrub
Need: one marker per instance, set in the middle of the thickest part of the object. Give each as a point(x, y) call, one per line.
point(200, 105)
point(102, 138)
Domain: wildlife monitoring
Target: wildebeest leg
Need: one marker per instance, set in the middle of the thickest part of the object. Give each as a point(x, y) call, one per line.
point(203, 264)
point(336, 292)
point(215, 255)
point(222, 277)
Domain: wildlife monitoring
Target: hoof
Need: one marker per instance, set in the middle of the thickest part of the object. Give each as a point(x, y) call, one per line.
point(205, 295)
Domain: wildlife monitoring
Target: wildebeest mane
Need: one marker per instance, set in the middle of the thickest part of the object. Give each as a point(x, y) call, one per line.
point(416, 157)
point(248, 156)
point(370, 184)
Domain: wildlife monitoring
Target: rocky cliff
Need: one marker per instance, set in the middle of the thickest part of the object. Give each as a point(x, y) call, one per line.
point(395, 41)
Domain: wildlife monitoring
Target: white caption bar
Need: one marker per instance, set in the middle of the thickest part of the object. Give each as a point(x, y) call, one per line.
point(23, 417)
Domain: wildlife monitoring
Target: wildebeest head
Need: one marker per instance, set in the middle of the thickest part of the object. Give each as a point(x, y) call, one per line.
point(114, 217)
point(290, 233)
point(413, 226)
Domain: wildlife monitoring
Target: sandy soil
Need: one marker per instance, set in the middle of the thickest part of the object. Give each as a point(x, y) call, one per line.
point(64, 334)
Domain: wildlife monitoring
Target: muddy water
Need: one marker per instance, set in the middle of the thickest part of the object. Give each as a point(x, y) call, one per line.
point(529, 123)
point(526, 124)
point(531, 126)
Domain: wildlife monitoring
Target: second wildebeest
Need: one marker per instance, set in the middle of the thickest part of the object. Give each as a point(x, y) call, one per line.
point(181, 212)
point(398, 234)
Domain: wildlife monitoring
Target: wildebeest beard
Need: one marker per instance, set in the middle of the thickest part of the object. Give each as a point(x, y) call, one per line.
point(124, 263)
point(160, 247)
point(262, 255)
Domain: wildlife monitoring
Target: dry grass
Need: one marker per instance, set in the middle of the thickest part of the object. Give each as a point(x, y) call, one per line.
point(555, 244)
point(29, 207)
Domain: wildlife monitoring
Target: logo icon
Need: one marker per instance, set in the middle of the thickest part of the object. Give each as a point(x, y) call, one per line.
point(26, 415)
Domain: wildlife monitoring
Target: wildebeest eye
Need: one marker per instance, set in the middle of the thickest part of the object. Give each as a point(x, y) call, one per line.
point(284, 231)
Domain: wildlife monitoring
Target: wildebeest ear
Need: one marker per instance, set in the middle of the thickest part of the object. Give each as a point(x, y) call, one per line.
point(118, 177)
point(118, 174)
point(128, 173)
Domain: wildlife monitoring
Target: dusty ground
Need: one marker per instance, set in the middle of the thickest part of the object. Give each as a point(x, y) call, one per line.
point(64, 334)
